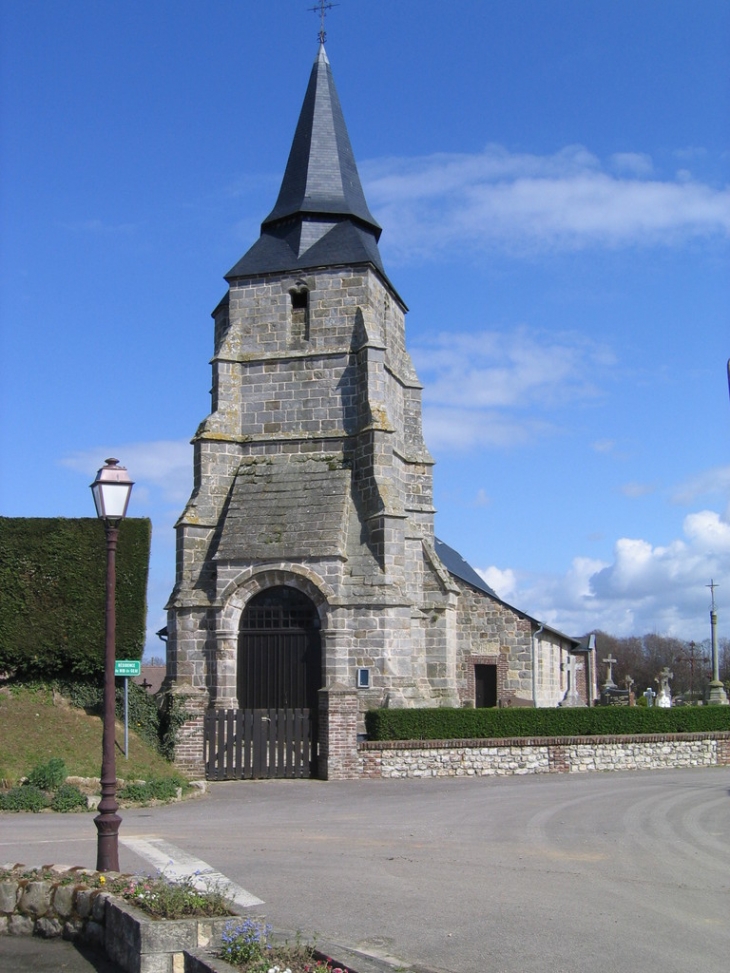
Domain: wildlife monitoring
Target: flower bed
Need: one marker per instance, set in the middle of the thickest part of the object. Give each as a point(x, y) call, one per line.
point(248, 945)
point(162, 898)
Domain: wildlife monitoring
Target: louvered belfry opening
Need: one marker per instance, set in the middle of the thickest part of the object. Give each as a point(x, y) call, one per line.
point(279, 652)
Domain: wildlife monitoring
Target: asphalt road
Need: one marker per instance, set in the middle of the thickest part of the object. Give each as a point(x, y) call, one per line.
point(595, 873)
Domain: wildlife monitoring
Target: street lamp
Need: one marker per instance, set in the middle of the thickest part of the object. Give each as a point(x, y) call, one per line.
point(111, 490)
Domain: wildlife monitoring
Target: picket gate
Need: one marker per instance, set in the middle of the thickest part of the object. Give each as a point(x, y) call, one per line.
point(256, 743)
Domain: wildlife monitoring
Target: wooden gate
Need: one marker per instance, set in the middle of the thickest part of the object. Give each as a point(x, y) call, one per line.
point(258, 743)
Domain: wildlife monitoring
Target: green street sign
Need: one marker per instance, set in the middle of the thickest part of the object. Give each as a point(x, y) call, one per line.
point(127, 667)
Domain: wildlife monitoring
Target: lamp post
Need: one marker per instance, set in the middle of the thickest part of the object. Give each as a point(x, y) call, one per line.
point(111, 489)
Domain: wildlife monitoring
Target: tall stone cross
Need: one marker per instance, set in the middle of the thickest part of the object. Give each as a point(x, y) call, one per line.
point(610, 663)
point(571, 697)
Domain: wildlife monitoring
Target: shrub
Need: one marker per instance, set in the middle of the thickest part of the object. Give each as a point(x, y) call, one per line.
point(165, 788)
point(137, 792)
point(69, 798)
point(50, 776)
point(455, 724)
point(155, 789)
point(24, 798)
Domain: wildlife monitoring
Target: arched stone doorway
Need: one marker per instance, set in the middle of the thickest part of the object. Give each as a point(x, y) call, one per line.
point(280, 652)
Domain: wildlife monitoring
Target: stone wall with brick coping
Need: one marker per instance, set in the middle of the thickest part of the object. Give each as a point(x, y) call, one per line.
point(542, 755)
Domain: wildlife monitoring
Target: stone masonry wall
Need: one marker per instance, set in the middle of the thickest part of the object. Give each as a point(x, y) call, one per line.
point(492, 758)
point(488, 628)
point(312, 461)
point(56, 902)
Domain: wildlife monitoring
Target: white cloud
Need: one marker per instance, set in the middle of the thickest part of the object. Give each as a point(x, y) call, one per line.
point(645, 588)
point(604, 445)
point(480, 387)
point(634, 162)
point(708, 483)
point(708, 532)
point(466, 429)
point(503, 583)
point(635, 490)
point(166, 464)
point(96, 226)
point(482, 498)
point(519, 201)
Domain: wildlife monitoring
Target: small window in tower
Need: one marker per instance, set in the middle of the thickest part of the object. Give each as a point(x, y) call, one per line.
point(299, 300)
point(299, 312)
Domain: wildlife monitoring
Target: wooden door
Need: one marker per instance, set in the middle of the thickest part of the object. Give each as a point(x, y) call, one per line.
point(485, 686)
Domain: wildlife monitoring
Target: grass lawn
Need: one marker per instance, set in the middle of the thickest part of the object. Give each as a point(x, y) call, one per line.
point(35, 726)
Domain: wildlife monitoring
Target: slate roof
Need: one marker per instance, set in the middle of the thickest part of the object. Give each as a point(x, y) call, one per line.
point(456, 565)
point(321, 217)
point(273, 515)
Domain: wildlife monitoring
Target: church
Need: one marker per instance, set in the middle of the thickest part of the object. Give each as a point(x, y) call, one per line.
point(308, 573)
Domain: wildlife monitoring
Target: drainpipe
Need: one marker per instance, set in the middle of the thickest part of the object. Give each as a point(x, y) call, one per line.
point(592, 683)
point(534, 664)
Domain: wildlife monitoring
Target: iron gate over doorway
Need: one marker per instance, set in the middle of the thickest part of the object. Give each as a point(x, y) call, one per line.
point(274, 734)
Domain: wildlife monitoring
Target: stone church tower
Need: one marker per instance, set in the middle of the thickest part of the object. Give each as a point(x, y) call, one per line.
point(308, 575)
point(313, 485)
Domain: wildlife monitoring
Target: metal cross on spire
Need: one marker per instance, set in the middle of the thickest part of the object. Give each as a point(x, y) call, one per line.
point(322, 7)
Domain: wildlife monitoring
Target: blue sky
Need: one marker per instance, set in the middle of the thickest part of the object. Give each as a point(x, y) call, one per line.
point(552, 181)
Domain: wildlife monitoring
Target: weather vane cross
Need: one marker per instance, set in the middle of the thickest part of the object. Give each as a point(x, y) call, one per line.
point(322, 7)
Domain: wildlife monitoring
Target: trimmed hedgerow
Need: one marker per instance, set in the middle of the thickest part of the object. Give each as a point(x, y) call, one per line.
point(465, 724)
point(53, 595)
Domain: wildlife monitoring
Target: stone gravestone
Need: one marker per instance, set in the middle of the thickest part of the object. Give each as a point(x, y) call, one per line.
point(609, 683)
point(629, 683)
point(611, 695)
point(571, 697)
point(664, 697)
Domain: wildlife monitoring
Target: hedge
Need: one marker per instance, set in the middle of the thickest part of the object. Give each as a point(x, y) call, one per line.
point(465, 724)
point(53, 595)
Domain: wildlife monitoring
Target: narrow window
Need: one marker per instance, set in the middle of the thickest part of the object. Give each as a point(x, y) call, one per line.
point(299, 312)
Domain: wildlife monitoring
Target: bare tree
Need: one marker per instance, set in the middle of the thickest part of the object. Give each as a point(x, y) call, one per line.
point(643, 658)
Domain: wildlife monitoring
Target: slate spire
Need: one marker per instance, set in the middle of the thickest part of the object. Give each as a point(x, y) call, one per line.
point(321, 216)
point(321, 176)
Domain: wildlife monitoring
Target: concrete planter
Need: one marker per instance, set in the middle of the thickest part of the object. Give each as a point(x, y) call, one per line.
point(51, 906)
point(140, 944)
